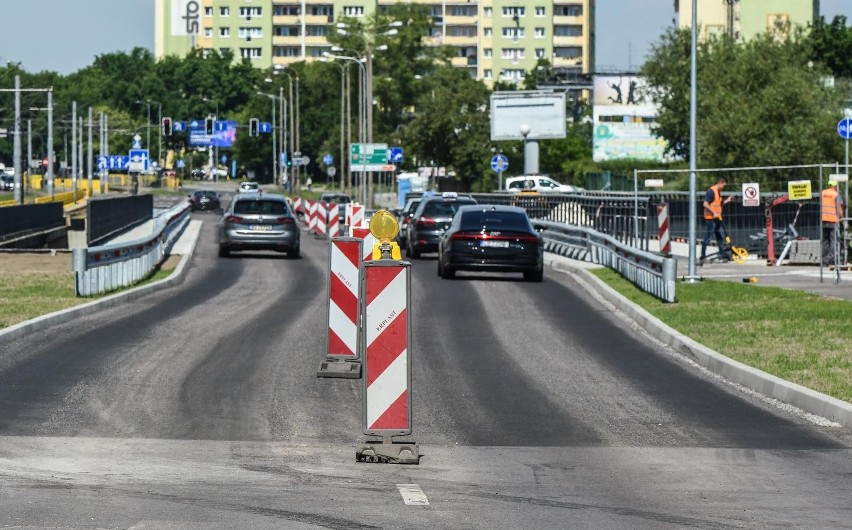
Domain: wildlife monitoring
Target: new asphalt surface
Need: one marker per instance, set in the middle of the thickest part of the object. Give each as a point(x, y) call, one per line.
point(535, 406)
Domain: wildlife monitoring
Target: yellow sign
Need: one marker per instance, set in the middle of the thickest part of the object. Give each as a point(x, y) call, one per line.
point(799, 190)
point(385, 228)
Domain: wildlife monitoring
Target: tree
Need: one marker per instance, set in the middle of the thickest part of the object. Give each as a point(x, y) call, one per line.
point(831, 45)
point(759, 102)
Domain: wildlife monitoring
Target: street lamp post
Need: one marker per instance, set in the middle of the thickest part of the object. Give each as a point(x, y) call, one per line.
point(147, 104)
point(693, 112)
point(159, 129)
point(215, 166)
point(344, 98)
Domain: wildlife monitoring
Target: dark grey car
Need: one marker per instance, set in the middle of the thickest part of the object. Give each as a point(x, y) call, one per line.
point(429, 221)
point(255, 221)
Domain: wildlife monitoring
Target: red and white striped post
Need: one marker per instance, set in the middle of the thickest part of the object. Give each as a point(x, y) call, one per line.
point(354, 216)
point(369, 241)
point(663, 223)
point(334, 220)
point(322, 218)
point(297, 204)
point(312, 215)
point(344, 286)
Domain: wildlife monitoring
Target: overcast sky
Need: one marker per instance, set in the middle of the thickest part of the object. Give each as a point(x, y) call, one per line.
point(66, 35)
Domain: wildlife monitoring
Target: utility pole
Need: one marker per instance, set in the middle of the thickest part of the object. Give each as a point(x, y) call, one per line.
point(91, 162)
point(79, 126)
point(74, 148)
point(102, 152)
point(29, 145)
point(19, 196)
point(50, 156)
point(342, 126)
point(282, 134)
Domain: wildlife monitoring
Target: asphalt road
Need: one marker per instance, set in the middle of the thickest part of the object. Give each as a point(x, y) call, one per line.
point(535, 407)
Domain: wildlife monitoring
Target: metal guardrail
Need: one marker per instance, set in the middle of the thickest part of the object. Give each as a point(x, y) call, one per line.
point(653, 274)
point(105, 268)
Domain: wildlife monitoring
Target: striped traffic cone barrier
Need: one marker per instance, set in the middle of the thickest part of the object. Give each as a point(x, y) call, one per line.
point(344, 285)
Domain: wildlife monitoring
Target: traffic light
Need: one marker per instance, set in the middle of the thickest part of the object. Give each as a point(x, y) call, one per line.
point(167, 126)
point(254, 124)
point(208, 125)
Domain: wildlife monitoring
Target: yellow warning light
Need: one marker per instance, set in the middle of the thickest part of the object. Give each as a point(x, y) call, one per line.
point(385, 228)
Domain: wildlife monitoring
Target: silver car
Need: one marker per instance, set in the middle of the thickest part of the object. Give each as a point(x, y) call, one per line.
point(257, 221)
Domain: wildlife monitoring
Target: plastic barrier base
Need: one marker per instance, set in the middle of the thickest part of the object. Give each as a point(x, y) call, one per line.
point(341, 369)
point(380, 452)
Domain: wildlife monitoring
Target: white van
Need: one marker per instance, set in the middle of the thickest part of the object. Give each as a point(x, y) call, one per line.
point(541, 183)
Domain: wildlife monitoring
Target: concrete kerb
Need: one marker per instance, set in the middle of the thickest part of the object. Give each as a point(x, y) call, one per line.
point(808, 400)
point(66, 315)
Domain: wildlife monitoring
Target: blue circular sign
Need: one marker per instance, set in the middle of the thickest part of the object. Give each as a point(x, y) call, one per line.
point(327, 160)
point(499, 163)
point(844, 128)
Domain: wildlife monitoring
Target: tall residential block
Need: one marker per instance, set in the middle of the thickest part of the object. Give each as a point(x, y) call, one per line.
point(744, 19)
point(492, 39)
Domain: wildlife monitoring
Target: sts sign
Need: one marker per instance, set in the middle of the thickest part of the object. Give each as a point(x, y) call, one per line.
point(186, 17)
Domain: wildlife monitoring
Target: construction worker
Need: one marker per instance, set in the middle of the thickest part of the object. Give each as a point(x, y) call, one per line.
point(832, 209)
point(713, 218)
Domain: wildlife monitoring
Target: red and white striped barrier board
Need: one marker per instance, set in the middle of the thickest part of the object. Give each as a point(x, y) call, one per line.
point(385, 341)
point(354, 215)
point(344, 283)
point(334, 220)
point(663, 222)
point(297, 204)
point(322, 218)
point(312, 215)
point(369, 241)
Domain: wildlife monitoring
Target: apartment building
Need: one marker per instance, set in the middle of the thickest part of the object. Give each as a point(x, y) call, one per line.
point(492, 39)
point(743, 19)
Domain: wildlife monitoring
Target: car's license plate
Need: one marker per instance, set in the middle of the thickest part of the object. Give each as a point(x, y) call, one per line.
point(260, 228)
point(494, 244)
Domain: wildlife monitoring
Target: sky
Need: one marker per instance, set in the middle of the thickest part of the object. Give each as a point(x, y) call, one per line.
point(67, 35)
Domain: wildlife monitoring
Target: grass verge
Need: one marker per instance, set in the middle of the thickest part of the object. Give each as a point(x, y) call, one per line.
point(26, 295)
point(800, 337)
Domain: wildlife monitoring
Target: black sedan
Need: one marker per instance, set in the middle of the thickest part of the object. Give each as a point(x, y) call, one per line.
point(204, 200)
point(429, 221)
point(491, 238)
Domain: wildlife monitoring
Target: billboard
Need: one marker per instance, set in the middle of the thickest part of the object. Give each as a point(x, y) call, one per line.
point(542, 112)
point(186, 17)
point(224, 134)
point(624, 118)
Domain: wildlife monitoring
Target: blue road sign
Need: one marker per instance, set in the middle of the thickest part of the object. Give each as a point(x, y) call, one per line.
point(499, 163)
point(137, 144)
point(395, 155)
point(103, 162)
point(264, 127)
point(178, 126)
point(181, 163)
point(844, 128)
point(328, 160)
point(220, 126)
point(284, 158)
point(139, 157)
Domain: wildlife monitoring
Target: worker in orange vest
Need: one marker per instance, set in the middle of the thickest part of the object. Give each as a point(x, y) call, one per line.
point(832, 211)
point(713, 218)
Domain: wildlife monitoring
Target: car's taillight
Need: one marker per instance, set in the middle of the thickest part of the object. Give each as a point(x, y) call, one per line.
point(460, 236)
point(285, 220)
point(233, 219)
point(426, 223)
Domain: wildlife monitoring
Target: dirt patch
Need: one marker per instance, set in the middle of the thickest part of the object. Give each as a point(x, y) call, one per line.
point(23, 262)
point(170, 263)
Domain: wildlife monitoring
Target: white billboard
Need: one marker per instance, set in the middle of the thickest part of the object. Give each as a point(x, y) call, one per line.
point(542, 113)
point(186, 17)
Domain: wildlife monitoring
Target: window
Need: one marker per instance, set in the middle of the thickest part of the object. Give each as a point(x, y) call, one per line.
point(286, 11)
point(512, 74)
point(317, 51)
point(539, 33)
point(487, 32)
point(539, 11)
point(568, 31)
point(248, 12)
point(514, 11)
point(466, 51)
point(487, 74)
point(513, 33)
point(539, 53)
point(461, 31)
point(208, 32)
point(487, 12)
point(568, 52)
point(286, 31)
point(461, 11)
point(316, 31)
point(250, 53)
point(224, 11)
point(287, 51)
point(487, 53)
point(513, 53)
point(260, 207)
point(353, 11)
point(250, 33)
point(437, 11)
point(223, 51)
point(208, 11)
point(322, 11)
point(225, 32)
point(575, 10)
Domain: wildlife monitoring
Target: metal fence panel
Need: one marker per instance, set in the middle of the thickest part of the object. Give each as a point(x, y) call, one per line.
point(106, 217)
point(30, 217)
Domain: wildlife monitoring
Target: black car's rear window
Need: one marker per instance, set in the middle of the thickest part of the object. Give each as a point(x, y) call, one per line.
point(505, 221)
point(260, 207)
point(440, 209)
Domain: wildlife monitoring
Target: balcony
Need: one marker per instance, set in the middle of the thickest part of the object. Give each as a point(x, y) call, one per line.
point(316, 40)
point(287, 41)
point(459, 41)
point(569, 41)
point(286, 20)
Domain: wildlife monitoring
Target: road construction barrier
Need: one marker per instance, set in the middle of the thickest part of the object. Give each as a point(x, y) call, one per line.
point(344, 285)
point(322, 218)
point(297, 204)
point(663, 223)
point(105, 268)
point(312, 215)
point(354, 215)
point(369, 242)
point(333, 220)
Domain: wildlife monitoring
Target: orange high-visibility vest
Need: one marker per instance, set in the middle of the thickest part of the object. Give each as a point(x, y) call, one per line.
point(715, 206)
point(829, 206)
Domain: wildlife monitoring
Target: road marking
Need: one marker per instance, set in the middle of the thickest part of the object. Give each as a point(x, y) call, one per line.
point(412, 495)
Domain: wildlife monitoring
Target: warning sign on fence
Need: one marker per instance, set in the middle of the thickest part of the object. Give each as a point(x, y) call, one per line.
point(751, 194)
point(799, 190)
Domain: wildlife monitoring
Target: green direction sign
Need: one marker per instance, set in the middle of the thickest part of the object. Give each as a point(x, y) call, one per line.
point(369, 157)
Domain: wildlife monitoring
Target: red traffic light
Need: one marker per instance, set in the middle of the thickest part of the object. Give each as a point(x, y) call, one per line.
point(167, 126)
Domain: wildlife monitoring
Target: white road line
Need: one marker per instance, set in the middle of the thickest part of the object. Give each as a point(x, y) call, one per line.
point(412, 495)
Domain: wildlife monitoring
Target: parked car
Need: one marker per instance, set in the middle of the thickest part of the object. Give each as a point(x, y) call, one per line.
point(540, 183)
point(204, 200)
point(7, 183)
point(248, 186)
point(404, 217)
point(255, 221)
point(429, 221)
point(491, 238)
